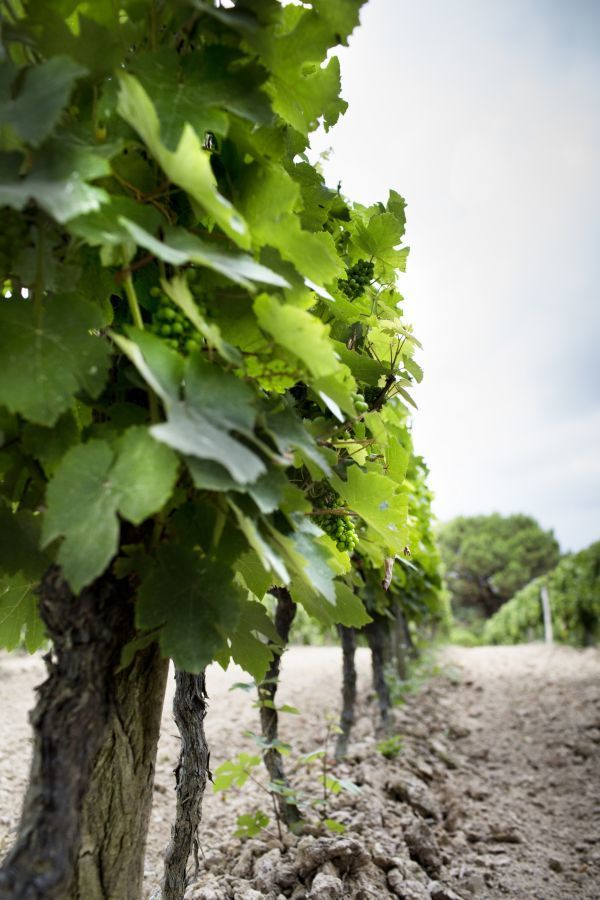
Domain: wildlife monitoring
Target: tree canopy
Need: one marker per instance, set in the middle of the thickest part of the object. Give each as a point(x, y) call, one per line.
point(487, 559)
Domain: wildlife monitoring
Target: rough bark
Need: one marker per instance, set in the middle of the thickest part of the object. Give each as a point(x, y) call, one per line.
point(117, 807)
point(411, 649)
point(189, 710)
point(399, 643)
point(80, 715)
point(376, 633)
point(348, 640)
point(267, 690)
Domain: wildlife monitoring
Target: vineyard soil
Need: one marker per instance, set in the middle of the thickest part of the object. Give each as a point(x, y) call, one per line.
point(495, 791)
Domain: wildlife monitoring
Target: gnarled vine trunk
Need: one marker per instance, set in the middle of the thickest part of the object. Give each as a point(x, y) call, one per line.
point(189, 710)
point(377, 636)
point(269, 720)
point(348, 641)
point(399, 647)
point(85, 814)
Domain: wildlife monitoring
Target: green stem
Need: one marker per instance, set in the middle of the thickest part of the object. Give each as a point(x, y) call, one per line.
point(132, 299)
point(136, 315)
point(38, 287)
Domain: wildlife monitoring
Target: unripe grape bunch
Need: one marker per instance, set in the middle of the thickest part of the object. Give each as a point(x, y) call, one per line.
point(169, 323)
point(339, 528)
point(358, 277)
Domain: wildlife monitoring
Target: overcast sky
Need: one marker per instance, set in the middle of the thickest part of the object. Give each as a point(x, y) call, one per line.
point(486, 117)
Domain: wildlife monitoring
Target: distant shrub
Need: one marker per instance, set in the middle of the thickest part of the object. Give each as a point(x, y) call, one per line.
point(574, 591)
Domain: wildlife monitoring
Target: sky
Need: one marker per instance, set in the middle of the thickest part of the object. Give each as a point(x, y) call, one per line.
point(485, 116)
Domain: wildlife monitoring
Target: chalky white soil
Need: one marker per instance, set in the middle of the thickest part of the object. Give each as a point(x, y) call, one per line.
point(495, 793)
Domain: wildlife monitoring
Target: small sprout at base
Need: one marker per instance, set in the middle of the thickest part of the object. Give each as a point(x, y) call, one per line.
point(391, 747)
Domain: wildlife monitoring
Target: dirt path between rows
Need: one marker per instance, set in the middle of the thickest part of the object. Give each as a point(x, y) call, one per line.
point(495, 792)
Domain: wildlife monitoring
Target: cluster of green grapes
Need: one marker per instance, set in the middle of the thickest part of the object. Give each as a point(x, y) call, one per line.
point(340, 529)
point(171, 324)
point(357, 278)
point(360, 404)
point(13, 236)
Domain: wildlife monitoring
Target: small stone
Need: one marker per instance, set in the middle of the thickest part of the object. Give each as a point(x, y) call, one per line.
point(505, 834)
point(475, 885)
point(244, 864)
point(345, 852)
point(248, 894)
point(439, 891)
point(555, 864)
point(266, 869)
point(299, 893)
point(326, 887)
point(406, 890)
point(412, 790)
point(423, 847)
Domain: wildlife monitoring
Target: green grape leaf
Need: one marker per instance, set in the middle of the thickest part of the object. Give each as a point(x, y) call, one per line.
point(256, 578)
point(239, 267)
point(19, 548)
point(105, 226)
point(268, 200)
point(42, 94)
point(197, 87)
point(307, 338)
point(397, 459)
point(58, 179)
point(99, 39)
point(363, 367)
point(301, 88)
point(49, 445)
point(248, 650)
point(93, 484)
point(188, 166)
point(195, 603)
point(19, 617)
point(215, 402)
point(144, 474)
point(82, 506)
point(269, 557)
point(347, 609)
point(180, 294)
point(379, 502)
point(289, 434)
point(310, 560)
point(63, 357)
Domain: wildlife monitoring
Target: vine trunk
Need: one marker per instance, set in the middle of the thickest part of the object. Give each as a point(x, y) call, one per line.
point(85, 815)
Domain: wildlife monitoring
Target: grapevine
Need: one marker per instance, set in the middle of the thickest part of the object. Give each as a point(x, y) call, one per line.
point(358, 277)
point(171, 323)
point(339, 528)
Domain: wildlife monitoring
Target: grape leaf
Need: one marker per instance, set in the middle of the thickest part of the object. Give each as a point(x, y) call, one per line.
point(268, 200)
point(82, 506)
point(239, 267)
point(348, 609)
point(248, 650)
point(256, 578)
point(19, 617)
point(144, 474)
point(62, 356)
point(379, 502)
point(91, 485)
point(58, 179)
point(188, 166)
point(19, 548)
point(194, 601)
point(42, 94)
